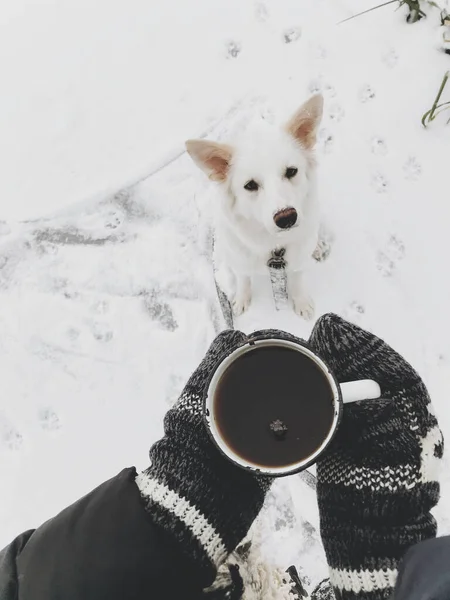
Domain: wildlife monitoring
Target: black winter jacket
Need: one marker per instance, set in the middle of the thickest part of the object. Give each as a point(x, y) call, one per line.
point(103, 547)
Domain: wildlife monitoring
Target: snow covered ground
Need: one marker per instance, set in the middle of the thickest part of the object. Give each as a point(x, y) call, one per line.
point(107, 300)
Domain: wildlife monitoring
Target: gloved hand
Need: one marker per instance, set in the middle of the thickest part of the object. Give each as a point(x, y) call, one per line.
point(191, 490)
point(378, 480)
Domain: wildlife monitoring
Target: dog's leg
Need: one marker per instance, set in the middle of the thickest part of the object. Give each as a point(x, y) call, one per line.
point(243, 294)
point(302, 301)
point(324, 243)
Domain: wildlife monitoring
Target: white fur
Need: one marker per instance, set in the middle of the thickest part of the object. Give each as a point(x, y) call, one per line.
point(245, 230)
point(262, 581)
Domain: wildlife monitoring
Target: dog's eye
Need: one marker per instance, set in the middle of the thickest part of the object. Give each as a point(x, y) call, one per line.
point(251, 185)
point(291, 172)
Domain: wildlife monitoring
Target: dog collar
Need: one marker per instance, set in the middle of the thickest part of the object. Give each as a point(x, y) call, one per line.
point(277, 261)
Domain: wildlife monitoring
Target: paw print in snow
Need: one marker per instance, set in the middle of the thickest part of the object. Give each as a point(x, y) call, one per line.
point(387, 260)
point(336, 112)
point(233, 49)
point(267, 114)
point(317, 86)
point(390, 58)
point(366, 94)
point(385, 264)
point(102, 332)
point(412, 168)
point(357, 308)
point(325, 140)
point(354, 312)
point(100, 307)
point(73, 334)
point(378, 146)
point(397, 246)
point(292, 35)
point(48, 419)
point(114, 220)
point(379, 183)
point(10, 437)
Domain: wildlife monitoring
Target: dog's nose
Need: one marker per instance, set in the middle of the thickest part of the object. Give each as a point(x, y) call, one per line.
point(286, 218)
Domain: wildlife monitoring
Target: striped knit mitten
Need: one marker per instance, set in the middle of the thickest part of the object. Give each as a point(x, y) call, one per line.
point(378, 480)
point(204, 501)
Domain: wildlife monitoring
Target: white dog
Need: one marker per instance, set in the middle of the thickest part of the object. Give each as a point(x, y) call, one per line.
point(268, 202)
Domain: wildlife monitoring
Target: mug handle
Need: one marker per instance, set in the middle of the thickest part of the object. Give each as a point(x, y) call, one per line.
point(365, 389)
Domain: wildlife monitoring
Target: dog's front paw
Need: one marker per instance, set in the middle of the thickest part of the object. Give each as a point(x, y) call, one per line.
point(304, 306)
point(241, 303)
point(242, 296)
point(322, 250)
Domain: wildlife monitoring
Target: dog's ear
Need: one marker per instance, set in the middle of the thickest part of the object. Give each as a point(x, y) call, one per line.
point(304, 124)
point(213, 158)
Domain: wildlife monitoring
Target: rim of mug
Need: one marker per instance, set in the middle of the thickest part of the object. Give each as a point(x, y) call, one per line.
point(208, 416)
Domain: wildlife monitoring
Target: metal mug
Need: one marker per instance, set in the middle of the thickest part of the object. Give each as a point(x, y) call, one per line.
point(342, 394)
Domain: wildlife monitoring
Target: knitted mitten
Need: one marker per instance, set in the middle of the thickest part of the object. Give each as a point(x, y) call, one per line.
point(378, 480)
point(204, 501)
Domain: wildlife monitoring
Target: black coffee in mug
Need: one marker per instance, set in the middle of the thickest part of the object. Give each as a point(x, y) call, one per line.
point(274, 406)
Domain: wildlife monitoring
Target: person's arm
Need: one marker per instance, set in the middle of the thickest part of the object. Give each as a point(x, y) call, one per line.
point(159, 534)
point(104, 546)
point(378, 481)
point(8, 566)
point(424, 572)
point(203, 500)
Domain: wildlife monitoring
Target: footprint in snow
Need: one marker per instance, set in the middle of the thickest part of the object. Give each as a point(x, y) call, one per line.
point(354, 312)
point(292, 35)
point(315, 86)
point(379, 183)
point(48, 419)
point(114, 219)
point(10, 438)
point(412, 169)
point(366, 94)
point(73, 334)
point(387, 260)
point(100, 307)
point(233, 49)
point(319, 86)
point(325, 140)
point(336, 112)
point(102, 332)
point(378, 146)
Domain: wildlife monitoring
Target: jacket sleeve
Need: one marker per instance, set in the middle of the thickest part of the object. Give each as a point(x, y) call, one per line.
point(104, 547)
point(8, 568)
point(424, 572)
